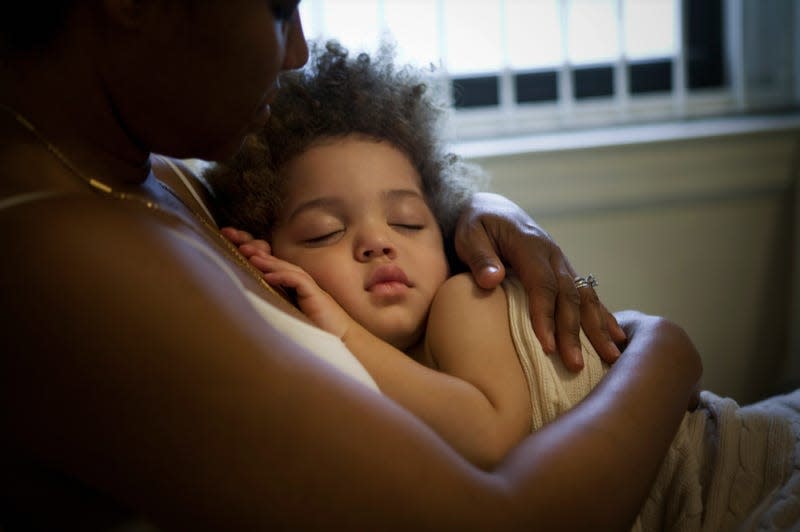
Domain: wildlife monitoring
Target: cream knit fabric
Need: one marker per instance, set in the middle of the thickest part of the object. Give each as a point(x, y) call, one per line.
point(728, 468)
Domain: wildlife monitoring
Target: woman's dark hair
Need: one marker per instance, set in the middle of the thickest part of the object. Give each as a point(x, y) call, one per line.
point(337, 95)
point(29, 26)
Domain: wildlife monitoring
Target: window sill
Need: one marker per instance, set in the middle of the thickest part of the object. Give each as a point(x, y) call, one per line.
point(626, 135)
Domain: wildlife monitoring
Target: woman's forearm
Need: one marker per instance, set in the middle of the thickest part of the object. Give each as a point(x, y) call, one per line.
point(591, 468)
point(609, 447)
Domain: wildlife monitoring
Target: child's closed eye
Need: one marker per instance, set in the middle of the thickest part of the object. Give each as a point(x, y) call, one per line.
point(408, 226)
point(323, 239)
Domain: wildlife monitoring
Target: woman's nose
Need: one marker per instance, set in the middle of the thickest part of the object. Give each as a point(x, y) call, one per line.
point(296, 46)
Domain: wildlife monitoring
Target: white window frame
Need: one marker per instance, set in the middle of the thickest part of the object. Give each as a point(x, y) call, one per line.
point(758, 79)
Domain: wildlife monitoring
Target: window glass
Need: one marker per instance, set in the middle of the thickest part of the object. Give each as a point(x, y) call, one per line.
point(649, 28)
point(308, 12)
point(534, 34)
point(473, 36)
point(413, 24)
point(355, 23)
point(592, 30)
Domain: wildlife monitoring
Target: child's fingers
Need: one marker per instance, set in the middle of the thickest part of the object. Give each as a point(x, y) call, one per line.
point(299, 281)
point(269, 263)
point(256, 248)
point(237, 236)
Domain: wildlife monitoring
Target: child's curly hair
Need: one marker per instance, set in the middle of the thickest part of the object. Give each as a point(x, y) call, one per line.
point(333, 96)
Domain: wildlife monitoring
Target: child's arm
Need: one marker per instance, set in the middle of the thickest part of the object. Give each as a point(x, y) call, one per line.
point(483, 419)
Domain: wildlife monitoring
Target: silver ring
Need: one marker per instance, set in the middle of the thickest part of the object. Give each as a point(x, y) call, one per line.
point(583, 282)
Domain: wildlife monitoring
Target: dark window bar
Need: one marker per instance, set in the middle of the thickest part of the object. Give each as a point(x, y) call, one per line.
point(650, 76)
point(482, 91)
point(593, 82)
point(704, 43)
point(536, 87)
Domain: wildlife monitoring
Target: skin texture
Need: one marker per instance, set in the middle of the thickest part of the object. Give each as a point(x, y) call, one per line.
point(355, 214)
point(135, 377)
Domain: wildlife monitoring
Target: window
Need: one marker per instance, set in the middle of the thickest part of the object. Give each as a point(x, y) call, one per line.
point(521, 66)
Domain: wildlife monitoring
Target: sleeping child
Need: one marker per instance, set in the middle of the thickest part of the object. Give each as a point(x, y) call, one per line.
point(357, 199)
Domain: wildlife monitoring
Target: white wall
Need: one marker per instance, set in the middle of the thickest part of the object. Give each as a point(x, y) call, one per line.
point(699, 230)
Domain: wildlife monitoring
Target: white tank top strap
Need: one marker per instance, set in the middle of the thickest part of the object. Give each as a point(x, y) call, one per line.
point(187, 184)
point(29, 197)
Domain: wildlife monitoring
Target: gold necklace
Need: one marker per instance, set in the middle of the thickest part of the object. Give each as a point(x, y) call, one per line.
point(107, 190)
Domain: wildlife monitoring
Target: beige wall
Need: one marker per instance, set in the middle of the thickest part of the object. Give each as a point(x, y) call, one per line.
point(697, 230)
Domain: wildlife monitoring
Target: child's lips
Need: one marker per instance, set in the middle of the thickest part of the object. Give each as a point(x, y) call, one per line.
point(387, 278)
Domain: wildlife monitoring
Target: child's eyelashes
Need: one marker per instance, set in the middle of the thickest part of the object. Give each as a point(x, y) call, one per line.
point(409, 227)
point(326, 238)
point(329, 237)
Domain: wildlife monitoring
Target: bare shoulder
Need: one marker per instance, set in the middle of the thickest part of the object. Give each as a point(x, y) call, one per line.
point(100, 234)
point(469, 337)
point(462, 295)
point(466, 318)
point(78, 264)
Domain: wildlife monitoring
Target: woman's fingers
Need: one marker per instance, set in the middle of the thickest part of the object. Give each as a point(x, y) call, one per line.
point(475, 248)
point(600, 326)
point(492, 226)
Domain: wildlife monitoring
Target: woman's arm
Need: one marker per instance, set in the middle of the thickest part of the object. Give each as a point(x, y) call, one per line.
point(138, 368)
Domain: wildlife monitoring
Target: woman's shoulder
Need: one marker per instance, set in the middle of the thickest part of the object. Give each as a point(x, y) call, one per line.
point(47, 223)
point(64, 245)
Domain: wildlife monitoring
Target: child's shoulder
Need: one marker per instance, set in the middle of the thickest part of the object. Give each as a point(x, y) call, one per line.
point(460, 303)
point(469, 328)
point(462, 289)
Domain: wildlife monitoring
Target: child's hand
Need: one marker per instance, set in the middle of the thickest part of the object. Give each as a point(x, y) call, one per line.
point(315, 302)
point(248, 246)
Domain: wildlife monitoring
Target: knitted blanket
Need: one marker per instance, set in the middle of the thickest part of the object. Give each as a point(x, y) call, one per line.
point(728, 468)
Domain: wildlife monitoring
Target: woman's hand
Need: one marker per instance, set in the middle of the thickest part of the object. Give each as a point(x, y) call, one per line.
point(492, 225)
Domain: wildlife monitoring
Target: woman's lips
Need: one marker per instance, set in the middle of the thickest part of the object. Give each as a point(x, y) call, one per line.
point(264, 113)
point(264, 110)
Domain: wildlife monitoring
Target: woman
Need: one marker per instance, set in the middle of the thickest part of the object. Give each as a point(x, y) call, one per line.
point(138, 378)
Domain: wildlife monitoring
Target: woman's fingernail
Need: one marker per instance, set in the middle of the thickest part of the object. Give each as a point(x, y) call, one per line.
point(549, 345)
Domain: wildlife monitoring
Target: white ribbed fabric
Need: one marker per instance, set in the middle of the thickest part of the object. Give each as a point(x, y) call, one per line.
point(728, 468)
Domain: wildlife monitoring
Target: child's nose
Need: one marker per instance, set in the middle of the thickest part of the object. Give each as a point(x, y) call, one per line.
point(375, 246)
